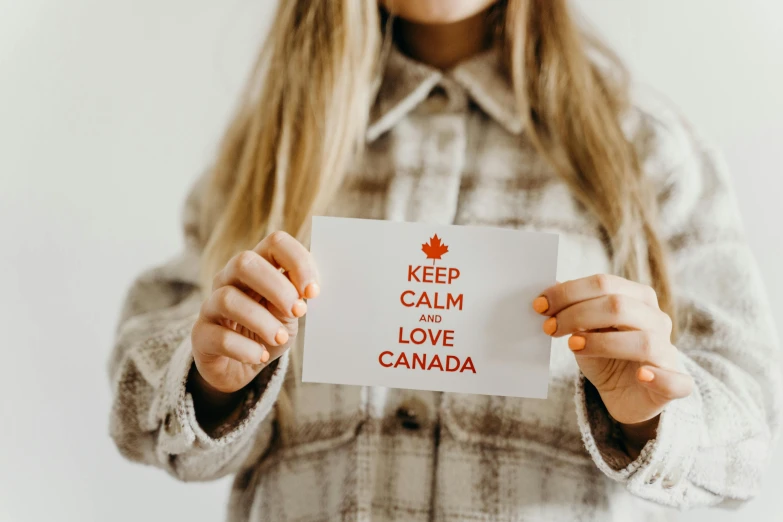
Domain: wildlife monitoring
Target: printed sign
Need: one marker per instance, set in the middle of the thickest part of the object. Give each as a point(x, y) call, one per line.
point(429, 307)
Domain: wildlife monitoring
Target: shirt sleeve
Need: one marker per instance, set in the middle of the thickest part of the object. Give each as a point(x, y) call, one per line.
point(152, 418)
point(711, 447)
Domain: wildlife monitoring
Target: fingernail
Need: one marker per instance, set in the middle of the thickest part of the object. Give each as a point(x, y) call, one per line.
point(577, 342)
point(540, 304)
point(550, 326)
point(265, 356)
point(282, 336)
point(299, 308)
point(312, 290)
point(645, 375)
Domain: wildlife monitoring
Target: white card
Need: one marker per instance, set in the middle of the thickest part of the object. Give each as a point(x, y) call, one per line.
point(402, 308)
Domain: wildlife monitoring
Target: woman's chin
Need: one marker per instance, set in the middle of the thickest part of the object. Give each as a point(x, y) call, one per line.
point(435, 12)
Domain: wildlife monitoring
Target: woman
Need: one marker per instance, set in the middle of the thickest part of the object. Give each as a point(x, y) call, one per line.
point(471, 112)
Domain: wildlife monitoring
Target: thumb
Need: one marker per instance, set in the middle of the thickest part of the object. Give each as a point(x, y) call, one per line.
point(666, 383)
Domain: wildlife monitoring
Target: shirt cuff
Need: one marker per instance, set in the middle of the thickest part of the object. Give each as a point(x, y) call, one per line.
point(661, 471)
point(181, 431)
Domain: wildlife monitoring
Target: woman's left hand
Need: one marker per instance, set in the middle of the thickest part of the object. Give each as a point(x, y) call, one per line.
point(622, 343)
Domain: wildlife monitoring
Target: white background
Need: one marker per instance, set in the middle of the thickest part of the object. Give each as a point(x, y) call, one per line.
point(108, 109)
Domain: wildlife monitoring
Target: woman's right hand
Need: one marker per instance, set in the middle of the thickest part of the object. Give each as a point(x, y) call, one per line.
point(251, 317)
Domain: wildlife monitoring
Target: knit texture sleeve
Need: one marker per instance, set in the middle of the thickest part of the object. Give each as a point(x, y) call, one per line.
point(711, 447)
point(152, 416)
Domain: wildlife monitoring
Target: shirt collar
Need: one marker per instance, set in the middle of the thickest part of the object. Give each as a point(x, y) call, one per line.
point(405, 83)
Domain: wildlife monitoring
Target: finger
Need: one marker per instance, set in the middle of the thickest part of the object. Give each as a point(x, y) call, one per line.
point(217, 340)
point(562, 295)
point(636, 345)
point(666, 383)
point(229, 302)
point(282, 250)
point(613, 311)
point(249, 269)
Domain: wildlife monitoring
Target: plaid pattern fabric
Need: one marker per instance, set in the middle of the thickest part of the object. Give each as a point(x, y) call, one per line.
point(448, 148)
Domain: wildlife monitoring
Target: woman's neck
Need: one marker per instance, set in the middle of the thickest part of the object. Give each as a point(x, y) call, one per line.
point(443, 45)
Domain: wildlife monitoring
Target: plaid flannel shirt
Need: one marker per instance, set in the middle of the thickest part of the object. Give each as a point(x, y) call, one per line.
point(449, 148)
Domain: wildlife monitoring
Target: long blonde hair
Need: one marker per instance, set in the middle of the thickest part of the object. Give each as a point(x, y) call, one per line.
point(302, 122)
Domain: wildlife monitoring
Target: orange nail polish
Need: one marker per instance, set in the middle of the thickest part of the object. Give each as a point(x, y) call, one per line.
point(299, 308)
point(541, 304)
point(281, 337)
point(312, 290)
point(264, 356)
point(550, 326)
point(645, 375)
point(577, 342)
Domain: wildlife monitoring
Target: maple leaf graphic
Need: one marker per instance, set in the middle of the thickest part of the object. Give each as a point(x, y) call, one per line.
point(434, 249)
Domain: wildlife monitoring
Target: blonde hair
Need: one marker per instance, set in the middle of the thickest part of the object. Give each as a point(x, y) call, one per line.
point(300, 123)
point(303, 118)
